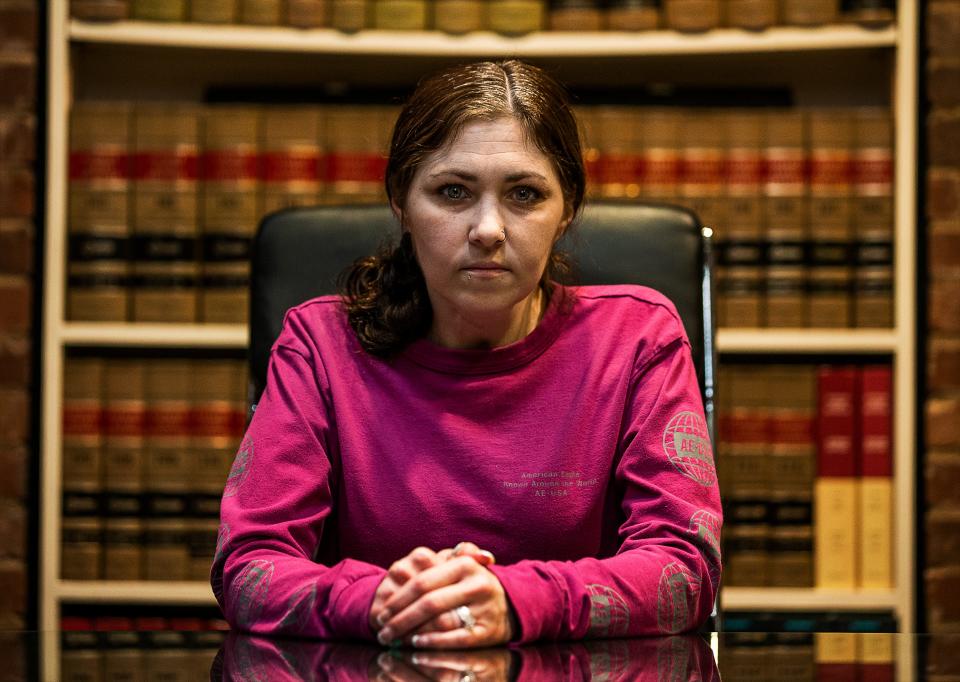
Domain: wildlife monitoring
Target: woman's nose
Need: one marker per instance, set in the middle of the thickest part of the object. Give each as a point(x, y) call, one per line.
point(488, 225)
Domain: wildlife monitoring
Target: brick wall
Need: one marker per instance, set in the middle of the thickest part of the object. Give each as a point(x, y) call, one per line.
point(18, 121)
point(942, 569)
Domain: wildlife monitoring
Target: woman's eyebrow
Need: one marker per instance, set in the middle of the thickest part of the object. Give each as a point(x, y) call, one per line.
point(510, 177)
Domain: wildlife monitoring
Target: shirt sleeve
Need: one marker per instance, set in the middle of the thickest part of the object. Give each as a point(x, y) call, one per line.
point(278, 495)
point(666, 573)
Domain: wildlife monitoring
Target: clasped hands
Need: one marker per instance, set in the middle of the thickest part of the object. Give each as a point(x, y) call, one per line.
point(420, 601)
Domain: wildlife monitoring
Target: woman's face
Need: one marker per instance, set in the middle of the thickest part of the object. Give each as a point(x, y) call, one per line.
point(490, 180)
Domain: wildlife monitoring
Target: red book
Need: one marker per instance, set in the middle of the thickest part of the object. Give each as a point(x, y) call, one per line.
point(835, 490)
point(875, 495)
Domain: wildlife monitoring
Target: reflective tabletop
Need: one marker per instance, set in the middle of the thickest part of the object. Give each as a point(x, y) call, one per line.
point(190, 654)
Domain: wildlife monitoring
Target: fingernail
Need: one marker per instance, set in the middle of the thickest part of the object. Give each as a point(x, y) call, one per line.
point(385, 661)
point(384, 636)
point(417, 659)
point(489, 556)
point(416, 640)
point(383, 617)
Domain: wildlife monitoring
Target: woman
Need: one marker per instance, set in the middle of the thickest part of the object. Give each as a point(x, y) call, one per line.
point(455, 404)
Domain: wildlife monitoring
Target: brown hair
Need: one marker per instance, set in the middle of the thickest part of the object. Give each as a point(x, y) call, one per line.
point(385, 294)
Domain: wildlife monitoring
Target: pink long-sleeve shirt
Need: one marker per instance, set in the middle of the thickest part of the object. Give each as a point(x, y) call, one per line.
point(578, 455)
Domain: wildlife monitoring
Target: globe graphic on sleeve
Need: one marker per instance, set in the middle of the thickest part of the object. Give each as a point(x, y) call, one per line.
point(677, 594)
point(251, 588)
point(706, 528)
point(240, 469)
point(609, 613)
point(687, 444)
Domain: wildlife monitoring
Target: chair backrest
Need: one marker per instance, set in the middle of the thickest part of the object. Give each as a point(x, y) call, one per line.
point(299, 252)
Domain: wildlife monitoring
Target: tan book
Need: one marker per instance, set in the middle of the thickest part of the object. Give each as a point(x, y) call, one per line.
point(831, 266)
point(459, 16)
point(661, 137)
point(168, 385)
point(350, 16)
point(632, 15)
point(123, 548)
point(588, 119)
point(230, 210)
point(219, 412)
point(575, 15)
point(740, 238)
point(400, 15)
point(792, 392)
point(202, 544)
point(291, 157)
point(308, 13)
point(100, 10)
point(356, 153)
point(835, 655)
point(125, 424)
point(81, 463)
point(876, 656)
point(872, 215)
point(214, 11)
point(516, 17)
point(165, 260)
point(745, 656)
point(620, 152)
point(810, 12)
point(753, 15)
point(871, 13)
point(159, 10)
point(261, 12)
point(791, 657)
point(786, 219)
point(99, 212)
point(703, 166)
point(81, 551)
point(692, 16)
point(166, 552)
point(746, 471)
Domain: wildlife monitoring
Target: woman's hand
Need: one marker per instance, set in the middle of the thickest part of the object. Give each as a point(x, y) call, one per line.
point(399, 573)
point(423, 611)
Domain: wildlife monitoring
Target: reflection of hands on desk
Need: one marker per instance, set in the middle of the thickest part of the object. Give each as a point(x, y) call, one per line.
point(681, 658)
point(484, 665)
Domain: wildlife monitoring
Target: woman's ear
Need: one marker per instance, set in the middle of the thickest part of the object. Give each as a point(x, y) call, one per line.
point(397, 211)
point(564, 223)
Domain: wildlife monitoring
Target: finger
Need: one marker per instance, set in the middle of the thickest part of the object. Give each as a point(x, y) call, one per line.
point(432, 604)
point(413, 563)
point(448, 620)
point(447, 573)
point(459, 661)
point(481, 556)
point(461, 638)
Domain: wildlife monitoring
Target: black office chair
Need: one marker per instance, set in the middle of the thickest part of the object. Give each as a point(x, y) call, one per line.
point(298, 253)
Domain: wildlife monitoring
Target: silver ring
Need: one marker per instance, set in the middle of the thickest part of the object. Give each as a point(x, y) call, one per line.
point(468, 676)
point(465, 616)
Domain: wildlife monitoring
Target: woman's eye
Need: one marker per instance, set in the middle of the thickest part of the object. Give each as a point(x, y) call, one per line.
point(453, 192)
point(526, 194)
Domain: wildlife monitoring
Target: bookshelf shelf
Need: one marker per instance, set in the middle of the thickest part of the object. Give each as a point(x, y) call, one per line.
point(800, 599)
point(433, 43)
point(135, 592)
point(145, 335)
point(806, 341)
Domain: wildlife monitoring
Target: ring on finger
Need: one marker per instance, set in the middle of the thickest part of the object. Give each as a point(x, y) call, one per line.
point(468, 676)
point(465, 617)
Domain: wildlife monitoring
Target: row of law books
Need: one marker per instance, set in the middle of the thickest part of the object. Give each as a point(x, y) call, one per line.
point(801, 203)
point(121, 648)
point(164, 199)
point(147, 446)
point(806, 465)
point(510, 17)
point(842, 647)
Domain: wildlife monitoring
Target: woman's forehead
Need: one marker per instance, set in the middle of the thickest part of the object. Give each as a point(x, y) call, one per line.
point(487, 142)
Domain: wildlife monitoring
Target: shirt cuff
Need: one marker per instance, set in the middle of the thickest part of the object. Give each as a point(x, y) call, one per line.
point(537, 600)
point(351, 613)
